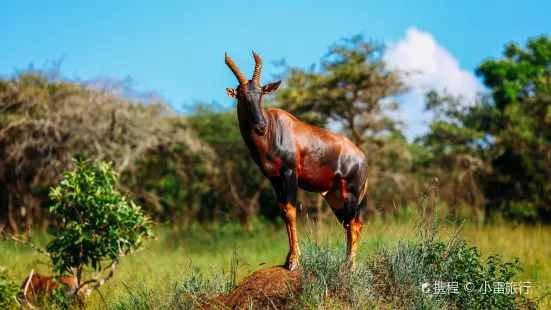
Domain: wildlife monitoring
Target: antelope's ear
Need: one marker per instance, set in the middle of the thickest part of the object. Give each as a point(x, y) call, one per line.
point(270, 88)
point(232, 92)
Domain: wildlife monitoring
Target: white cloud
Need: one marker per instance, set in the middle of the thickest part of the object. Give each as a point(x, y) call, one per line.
point(434, 68)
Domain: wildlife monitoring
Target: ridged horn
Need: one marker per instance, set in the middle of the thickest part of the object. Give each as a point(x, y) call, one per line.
point(257, 68)
point(240, 77)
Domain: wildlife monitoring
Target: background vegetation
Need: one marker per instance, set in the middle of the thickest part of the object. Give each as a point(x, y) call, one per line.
point(491, 157)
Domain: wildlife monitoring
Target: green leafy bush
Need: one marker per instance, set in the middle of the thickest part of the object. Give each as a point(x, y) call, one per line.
point(98, 222)
point(9, 291)
point(98, 226)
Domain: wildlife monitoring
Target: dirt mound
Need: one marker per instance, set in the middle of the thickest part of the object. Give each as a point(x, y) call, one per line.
point(267, 288)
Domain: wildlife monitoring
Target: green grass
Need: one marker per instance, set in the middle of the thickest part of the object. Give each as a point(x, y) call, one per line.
point(175, 255)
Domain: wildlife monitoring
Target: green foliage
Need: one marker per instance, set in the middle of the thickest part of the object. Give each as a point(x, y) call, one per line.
point(438, 263)
point(98, 222)
point(172, 182)
point(240, 184)
point(9, 291)
point(161, 268)
point(352, 87)
point(462, 264)
point(205, 285)
point(502, 143)
point(491, 154)
point(521, 91)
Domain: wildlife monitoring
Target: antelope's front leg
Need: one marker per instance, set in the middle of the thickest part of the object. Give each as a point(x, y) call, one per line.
point(286, 191)
point(289, 212)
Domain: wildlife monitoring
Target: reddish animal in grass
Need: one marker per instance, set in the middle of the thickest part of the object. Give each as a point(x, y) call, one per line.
point(292, 154)
point(35, 285)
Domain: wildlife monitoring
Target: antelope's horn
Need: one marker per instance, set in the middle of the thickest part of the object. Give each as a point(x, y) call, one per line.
point(257, 68)
point(240, 77)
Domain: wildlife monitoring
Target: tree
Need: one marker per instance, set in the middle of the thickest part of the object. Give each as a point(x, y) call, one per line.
point(98, 226)
point(505, 138)
point(44, 122)
point(456, 151)
point(520, 114)
point(174, 183)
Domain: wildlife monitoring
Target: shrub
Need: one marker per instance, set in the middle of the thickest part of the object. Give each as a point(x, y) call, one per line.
point(98, 226)
point(9, 291)
point(98, 222)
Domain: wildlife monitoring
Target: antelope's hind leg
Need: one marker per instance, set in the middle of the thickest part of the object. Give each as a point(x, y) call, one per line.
point(344, 203)
point(286, 192)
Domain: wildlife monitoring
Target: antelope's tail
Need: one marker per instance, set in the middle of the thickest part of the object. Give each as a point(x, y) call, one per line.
point(363, 195)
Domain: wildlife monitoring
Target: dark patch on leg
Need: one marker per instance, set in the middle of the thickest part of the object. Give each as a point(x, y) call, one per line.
point(341, 214)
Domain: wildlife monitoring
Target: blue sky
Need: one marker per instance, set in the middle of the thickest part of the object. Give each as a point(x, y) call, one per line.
point(177, 47)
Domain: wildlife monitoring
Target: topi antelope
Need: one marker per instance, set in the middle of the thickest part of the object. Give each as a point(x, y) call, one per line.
point(36, 284)
point(293, 154)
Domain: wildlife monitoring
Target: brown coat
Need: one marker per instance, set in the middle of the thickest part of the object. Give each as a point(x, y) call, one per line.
point(36, 284)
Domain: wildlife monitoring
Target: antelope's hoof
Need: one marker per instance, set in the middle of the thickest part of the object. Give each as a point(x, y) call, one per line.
point(352, 265)
point(292, 266)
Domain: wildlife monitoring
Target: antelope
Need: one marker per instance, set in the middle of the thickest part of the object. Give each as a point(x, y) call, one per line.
point(36, 284)
point(293, 154)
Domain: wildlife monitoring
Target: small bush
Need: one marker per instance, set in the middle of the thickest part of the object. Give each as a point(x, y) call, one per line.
point(98, 227)
point(98, 222)
point(9, 291)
